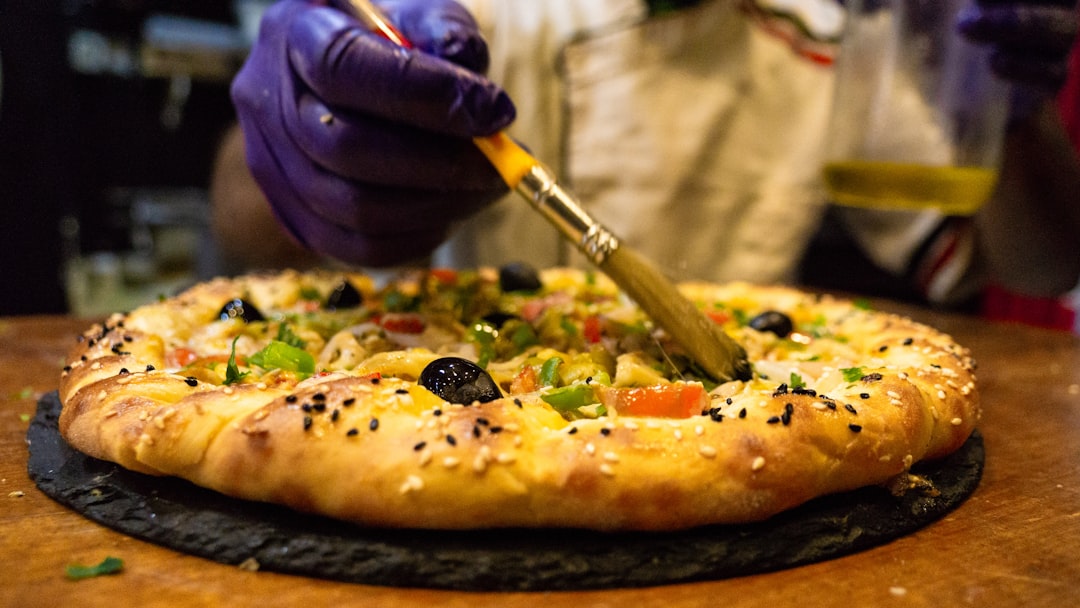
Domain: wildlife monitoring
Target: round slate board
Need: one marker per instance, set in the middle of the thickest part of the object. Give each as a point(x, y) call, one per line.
point(187, 518)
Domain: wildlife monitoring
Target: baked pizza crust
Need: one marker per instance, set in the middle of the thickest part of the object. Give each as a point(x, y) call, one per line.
point(385, 451)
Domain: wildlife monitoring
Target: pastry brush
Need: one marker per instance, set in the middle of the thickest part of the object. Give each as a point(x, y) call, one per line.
point(712, 349)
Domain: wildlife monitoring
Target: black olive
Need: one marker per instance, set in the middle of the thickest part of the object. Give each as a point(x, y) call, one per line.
point(773, 321)
point(519, 276)
point(459, 381)
point(240, 309)
point(344, 296)
point(497, 319)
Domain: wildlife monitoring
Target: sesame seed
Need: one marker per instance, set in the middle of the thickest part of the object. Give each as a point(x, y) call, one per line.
point(607, 470)
point(850, 408)
point(605, 431)
point(290, 398)
point(590, 449)
point(419, 446)
point(773, 420)
point(864, 395)
point(573, 431)
point(707, 451)
point(334, 415)
point(191, 381)
point(425, 457)
point(307, 422)
point(412, 483)
point(678, 434)
point(374, 424)
point(742, 413)
point(451, 440)
point(349, 401)
point(611, 457)
point(699, 430)
point(506, 458)
point(758, 463)
point(318, 397)
point(450, 462)
point(353, 432)
point(957, 421)
point(150, 368)
point(855, 428)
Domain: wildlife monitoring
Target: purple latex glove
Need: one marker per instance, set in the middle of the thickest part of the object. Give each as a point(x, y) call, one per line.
point(1031, 39)
point(364, 149)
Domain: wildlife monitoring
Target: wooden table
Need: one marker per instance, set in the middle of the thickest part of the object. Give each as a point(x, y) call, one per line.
point(1015, 542)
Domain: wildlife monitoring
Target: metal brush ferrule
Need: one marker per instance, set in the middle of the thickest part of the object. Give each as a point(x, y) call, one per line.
point(560, 208)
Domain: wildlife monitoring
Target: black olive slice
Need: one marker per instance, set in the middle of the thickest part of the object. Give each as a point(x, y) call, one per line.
point(344, 296)
point(519, 276)
point(240, 309)
point(773, 321)
point(459, 381)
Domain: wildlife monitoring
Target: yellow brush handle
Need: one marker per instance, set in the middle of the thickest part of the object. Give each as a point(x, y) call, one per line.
point(509, 159)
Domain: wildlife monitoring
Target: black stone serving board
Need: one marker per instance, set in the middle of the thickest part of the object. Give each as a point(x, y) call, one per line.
point(177, 514)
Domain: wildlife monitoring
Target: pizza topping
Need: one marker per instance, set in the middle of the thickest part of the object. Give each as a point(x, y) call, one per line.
point(344, 295)
point(459, 380)
point(773, 321)
point(238, 308)
point(519, 276)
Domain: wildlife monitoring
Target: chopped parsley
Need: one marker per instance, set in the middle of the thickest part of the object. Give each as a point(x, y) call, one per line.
point(232, 372)
point(797, 381)
point(852, 374)
point(110, 565)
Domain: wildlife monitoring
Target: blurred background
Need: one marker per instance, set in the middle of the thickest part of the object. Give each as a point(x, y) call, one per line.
point(110, 114)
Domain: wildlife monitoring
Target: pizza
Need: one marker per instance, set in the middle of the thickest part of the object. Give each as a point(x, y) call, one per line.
point(511, 397)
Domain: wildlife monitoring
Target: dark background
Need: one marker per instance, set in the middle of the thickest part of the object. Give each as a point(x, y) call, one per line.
point(73, 139)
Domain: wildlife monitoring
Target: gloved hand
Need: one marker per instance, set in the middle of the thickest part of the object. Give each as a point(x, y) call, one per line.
point(364, 149)
point(1031, 39)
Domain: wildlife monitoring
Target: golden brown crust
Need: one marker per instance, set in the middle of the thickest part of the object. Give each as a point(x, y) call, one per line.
point(387, 452)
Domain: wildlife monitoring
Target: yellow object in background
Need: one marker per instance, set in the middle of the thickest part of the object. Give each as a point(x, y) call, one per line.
point(953, 190)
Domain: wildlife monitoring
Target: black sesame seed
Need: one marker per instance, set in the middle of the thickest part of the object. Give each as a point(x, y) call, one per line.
point(374, 424)
point(419, 446)
point(334, 415)
point(855, 428)
point(605, 432)
point(781, 390)
point(451, 440)
point(437, 412)
point(349, 401)
point(191, 381)
point(307, 422)
point(319, 407)
point(291, 398)
point(804, 391)
point(517, 402)
point(67, 368)
point(124, 371)
point(742, 413)
point(773, 420)
point(883, 348)
point(909, 341)
point(715, 414)
point(572, 431)
point(496, 429)
point(864, 395)
point(850, 408)
point(353, 433)
point(306, 407)
point(728, 401)
point(128, 339)
point(402, 391)
point(482, 421)
point(476, 431)
point(318, 397)
point(150, 368)
point(374, 380)
point(871, 377)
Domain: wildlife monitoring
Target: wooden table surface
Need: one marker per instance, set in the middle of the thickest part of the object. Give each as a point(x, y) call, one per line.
point(1015, 542)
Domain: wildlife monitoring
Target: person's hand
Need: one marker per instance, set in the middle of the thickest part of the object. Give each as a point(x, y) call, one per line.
point(1031, 39)
point(364, 149)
